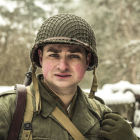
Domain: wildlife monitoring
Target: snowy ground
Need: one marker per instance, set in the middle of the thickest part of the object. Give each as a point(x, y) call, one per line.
point(6, 88)
point(113, 94)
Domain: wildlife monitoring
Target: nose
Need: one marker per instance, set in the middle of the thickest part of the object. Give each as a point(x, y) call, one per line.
point(63, 64)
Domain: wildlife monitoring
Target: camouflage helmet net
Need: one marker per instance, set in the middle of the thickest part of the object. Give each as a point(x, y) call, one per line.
point(65, 25)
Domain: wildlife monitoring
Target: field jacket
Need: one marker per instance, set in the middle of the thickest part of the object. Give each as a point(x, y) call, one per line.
point(44, 125)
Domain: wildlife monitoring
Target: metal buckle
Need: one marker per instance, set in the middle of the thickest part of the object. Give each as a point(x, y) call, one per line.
point(27, 126)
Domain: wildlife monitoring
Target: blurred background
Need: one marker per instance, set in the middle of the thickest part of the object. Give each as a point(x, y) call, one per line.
point(116, 25)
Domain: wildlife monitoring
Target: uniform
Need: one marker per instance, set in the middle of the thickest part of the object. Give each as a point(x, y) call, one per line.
point(44, 125)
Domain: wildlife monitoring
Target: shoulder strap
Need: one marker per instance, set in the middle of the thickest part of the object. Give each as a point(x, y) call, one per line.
point(19, 112)
point(28, 115)
point(69, 126)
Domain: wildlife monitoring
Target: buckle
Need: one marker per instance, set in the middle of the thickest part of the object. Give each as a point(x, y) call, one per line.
point(73, 39)
point(27, 126)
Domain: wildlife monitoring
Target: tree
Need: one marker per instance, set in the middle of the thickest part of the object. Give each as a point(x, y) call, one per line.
point(17, 37)
point(115, 23)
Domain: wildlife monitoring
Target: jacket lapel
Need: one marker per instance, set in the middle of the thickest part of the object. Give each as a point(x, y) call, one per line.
point(83, 119)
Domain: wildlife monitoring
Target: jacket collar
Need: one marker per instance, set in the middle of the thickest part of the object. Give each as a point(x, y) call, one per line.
point(48, 102)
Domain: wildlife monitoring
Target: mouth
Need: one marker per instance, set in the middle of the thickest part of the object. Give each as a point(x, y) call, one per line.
point(62, 75)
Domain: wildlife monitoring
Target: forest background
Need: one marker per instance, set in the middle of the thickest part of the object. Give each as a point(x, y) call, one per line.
point(116, 24)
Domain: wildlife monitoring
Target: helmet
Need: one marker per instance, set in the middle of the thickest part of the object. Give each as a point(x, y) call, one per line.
point(66, 29)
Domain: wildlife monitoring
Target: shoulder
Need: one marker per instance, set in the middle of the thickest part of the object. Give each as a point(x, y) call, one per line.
point(99, 103)
point(7, 109)
point(8, 95)
point(8, 100)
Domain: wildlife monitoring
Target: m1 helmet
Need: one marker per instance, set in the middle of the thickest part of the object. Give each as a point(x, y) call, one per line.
point(65, 29)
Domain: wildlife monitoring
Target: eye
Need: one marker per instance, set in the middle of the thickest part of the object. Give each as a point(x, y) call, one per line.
point(74, 56)
point(53, 55)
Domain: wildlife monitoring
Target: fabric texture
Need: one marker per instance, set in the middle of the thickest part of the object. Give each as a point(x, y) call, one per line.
point(44, 125)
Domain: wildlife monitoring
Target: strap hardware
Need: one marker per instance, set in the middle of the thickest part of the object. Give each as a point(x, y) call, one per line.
point(27, 126)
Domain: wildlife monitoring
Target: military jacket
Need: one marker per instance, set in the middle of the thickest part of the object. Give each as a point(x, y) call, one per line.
point(44, 125)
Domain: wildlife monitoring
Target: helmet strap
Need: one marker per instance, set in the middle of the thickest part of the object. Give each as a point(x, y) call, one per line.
point(36, 89)
point(94, 84)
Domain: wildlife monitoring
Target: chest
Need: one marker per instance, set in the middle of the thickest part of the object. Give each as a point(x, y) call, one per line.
point(48, 128)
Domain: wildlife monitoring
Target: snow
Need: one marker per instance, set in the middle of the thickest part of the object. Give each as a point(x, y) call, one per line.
point(43, 6)
point(6, 88)
point(114, 93)
point(132, 42)
point(11, 5)
point(136, 130)
point(114, 98)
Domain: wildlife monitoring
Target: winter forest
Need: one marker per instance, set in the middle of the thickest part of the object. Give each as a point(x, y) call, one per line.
point(116, 25)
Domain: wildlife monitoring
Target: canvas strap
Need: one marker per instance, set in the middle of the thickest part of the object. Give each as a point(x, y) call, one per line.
point(94, 85)
point(69, 126)
point(36, 89)
point(28, 115)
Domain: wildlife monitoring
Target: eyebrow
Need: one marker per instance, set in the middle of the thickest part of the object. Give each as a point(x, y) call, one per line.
point(54, 50)
point(73, 50)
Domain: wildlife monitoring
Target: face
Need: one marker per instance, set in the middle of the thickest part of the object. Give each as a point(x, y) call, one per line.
point(63, 65)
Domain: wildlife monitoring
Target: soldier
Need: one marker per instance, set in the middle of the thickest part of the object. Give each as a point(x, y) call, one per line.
point(64, 48)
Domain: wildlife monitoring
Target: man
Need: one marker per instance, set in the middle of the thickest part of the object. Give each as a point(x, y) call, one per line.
point(64, 48)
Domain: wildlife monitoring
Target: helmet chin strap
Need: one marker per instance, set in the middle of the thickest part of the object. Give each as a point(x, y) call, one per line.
point(94, 84)
point(36, 89)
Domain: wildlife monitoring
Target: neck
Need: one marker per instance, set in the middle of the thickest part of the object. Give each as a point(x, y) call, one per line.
point(66, 99)
point(65, 94)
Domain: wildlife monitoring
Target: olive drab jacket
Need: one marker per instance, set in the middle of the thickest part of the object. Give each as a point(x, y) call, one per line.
point(44, 125)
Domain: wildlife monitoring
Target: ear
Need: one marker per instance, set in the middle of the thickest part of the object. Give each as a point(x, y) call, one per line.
point(40, 56)
point(88, 60)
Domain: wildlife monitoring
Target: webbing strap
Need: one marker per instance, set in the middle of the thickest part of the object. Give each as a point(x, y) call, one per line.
point(26, 135)
point(36, 89)
point(28, 115)
point(94, 85)
point(69, 126)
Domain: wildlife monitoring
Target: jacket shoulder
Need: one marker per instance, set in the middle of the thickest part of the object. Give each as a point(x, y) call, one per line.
point(8, 100)
point(99, 102)
point(7, 109)
point(10, 92)
point(99, 99)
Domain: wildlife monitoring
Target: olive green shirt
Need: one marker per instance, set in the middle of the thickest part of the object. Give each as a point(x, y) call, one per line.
point(44, 125)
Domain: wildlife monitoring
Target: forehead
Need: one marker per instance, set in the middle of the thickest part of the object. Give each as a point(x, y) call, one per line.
point(67, 47)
